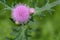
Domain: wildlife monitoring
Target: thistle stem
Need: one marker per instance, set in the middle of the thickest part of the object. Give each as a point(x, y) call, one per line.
point(49, 6)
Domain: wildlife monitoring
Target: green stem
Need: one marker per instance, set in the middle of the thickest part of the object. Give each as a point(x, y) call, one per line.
point(22, 34)
point(49, 6)
point(6, 5)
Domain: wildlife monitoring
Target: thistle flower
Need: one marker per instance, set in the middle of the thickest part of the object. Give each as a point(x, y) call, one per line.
point(21, 13)
point(32, 10)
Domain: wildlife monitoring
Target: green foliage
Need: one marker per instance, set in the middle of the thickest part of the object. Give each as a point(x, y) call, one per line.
point(43, 25)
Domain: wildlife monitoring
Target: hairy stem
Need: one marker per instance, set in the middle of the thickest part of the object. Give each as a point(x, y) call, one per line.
point(5, 5)
point(49, 6)
point(22, 34)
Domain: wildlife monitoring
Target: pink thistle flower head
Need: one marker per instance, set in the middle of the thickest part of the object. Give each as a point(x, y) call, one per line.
point(32, 10)
point(20, 13)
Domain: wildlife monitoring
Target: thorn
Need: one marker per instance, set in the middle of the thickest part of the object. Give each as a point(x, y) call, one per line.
point(4, 1)
point(47, 2)
point(12, 5)
point(50, 12)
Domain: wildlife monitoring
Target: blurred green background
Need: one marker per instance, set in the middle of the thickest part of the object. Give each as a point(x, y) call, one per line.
point(44, 27)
